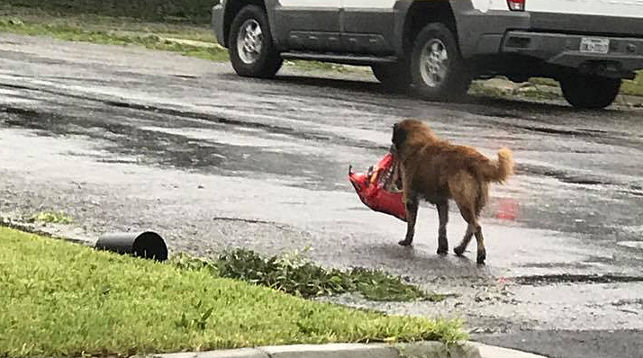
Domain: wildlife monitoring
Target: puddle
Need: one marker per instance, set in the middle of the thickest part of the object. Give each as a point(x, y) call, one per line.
point(543, 280)
point(631, 244)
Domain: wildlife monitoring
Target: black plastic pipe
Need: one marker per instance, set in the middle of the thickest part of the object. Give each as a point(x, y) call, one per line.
point(148, 244)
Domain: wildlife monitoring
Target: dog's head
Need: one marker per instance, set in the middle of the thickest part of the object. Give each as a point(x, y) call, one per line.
point(410, 130)
point(399, 135)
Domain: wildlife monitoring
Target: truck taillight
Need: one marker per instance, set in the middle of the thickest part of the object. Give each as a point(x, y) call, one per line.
point(516, 5)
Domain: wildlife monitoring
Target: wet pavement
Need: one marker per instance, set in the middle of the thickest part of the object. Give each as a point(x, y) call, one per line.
point(127, 139)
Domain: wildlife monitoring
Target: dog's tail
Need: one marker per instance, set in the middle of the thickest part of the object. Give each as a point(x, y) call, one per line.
point(498, 171)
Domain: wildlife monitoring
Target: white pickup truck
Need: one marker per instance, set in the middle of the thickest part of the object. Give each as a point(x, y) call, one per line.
point(437, 47)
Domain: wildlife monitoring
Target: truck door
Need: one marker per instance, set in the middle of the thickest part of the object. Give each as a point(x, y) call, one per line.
point(307, 25)
point(368, 26)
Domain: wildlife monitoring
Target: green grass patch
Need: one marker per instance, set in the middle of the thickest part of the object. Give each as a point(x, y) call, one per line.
point(123, 24)
point(630, 87)
point(65, 300)
point(633, 87)
point(196, 11)
point(544, 81)
point(537, 93)
point(478, 88)
point(320, 66)
point(74, 32)
point(540, 91)
point(52, 217)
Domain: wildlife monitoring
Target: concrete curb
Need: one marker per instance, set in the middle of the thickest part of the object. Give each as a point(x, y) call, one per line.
point(499, 352)
point(406, 350)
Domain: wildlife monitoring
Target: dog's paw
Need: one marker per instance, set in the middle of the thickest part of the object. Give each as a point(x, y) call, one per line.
point(405, 243)
point(481, 259)
point(459, 250)
point(443, 251)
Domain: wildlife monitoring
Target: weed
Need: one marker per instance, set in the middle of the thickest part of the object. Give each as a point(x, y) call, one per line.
point(199, 322)
point(380, 286)
point(295, 275)
point(52, 217)
point(191, 263)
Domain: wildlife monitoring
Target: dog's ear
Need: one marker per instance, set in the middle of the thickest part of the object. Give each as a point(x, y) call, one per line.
point(399, 135)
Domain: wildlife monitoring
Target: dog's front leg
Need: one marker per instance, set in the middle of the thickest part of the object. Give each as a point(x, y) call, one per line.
point(443, 213)
point(411, 202)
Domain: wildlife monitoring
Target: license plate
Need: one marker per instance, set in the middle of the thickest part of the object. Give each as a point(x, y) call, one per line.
point(594, 45)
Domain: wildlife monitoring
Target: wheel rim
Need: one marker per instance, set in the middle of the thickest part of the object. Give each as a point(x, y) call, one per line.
point(249, 41)
point(434, 63)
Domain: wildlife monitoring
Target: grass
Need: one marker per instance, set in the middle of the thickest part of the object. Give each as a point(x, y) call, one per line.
point(630, 87)
point(544, 89)
point(321, 66)
point(52, 217)
point(92, 22)
point(120, 31)
point(633, 87)
point(536, 92)
point(197, 11)
point(65, 300)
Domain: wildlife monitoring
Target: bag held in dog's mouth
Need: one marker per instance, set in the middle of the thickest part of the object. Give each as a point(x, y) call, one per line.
point(377, 188)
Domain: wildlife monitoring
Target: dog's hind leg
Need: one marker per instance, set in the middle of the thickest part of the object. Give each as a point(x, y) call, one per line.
point(483, 195)
point(471, 230)
point(443, 213)
point(482, 252)
point(411, 202)
point(465, 193)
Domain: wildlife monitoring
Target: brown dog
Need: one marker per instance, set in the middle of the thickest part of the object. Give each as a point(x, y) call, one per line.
point(437, 171)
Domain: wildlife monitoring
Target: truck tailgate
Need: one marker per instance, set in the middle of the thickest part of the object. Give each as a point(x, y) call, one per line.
point(614, 17)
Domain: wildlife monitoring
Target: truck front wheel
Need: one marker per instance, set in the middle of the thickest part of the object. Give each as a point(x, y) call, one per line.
point(590, 92)
point(252, 51)
point(437, 68)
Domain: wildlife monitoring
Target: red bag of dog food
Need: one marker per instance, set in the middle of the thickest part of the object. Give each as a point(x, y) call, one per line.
point(377, 188)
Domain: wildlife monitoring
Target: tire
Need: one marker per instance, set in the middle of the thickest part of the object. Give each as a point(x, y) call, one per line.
point(252, 51)
point(590, 92)
point(438, 71)
point(394, 77)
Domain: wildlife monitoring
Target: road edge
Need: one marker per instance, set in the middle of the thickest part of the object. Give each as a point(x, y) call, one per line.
point(357, 350)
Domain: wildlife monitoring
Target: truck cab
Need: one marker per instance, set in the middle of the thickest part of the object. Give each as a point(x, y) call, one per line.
point(436, 48)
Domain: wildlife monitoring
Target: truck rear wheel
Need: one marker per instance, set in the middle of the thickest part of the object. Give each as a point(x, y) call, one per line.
point(437, 68)
point(394, 77)
point(590, 92)
point(252, 51)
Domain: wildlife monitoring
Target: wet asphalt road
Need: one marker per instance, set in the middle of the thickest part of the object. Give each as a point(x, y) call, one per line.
point(129, 139)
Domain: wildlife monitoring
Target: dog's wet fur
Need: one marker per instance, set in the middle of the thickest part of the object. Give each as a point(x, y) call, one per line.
point(435, 170)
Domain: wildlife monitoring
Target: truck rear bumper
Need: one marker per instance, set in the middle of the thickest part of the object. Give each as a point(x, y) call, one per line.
point(625, 54)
